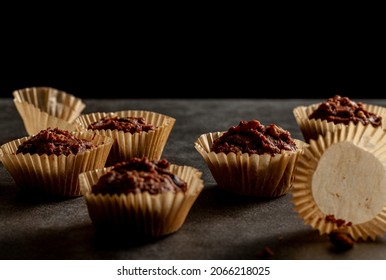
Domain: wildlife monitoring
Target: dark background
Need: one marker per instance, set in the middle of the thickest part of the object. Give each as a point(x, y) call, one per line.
point(262, 54)
point(186, 75)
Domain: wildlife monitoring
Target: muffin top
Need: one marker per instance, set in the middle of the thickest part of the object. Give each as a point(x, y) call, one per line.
point(139, 175)
point(125, 124)
point(252, 137)
point(340, 109)
point(54, 141)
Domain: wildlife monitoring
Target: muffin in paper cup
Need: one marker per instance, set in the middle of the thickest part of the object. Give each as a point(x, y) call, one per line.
point(256, 175)
point(54, 175)
point(146, 214)
point(340, 182)
point(42, 107)
point(312, 128)
point(150, 144)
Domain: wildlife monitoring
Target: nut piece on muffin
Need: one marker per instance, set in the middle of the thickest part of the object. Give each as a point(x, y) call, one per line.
point(148, 197)
point(136, 133)
point(334, 113)
point(251, 159)
point(50, 161)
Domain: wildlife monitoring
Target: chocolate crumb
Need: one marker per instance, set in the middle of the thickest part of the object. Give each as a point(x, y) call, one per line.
point(338, 222)
point(266, 253)
point(341, 240)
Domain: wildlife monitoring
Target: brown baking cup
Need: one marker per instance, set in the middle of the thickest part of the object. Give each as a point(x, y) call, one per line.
point(127, 145)
point(311, 129)
point(52, 174)
point(142, 213)
point(43, 107)
point(251, 175)
point(340, 182)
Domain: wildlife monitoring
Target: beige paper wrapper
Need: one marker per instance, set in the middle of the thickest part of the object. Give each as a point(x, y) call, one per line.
point(311, 129)
point(340, 182)
point(51, 174)
point(142, 213)
point(150, 144)
point(43, 107)
point(251, 175)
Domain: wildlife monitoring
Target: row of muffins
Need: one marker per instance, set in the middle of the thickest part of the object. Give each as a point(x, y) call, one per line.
point(259, 174)
point(135, 138)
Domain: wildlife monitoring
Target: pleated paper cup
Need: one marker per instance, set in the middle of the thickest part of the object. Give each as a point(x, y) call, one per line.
point(127, 145)
point(142, 213)
point(54, 175)
point(43, 107)
point(312, 128)
point(250, 175)
point(340, 182)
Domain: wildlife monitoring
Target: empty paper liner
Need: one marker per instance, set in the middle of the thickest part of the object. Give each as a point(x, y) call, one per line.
point(340, 182)
point(43, 107)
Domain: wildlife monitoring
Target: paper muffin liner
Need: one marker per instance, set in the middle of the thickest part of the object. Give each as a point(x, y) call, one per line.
point(142, 213)
point(250, 175)
point(311, 129)
point(51, 174)
point(127, 145)
point(43, 107)
point(340, 182)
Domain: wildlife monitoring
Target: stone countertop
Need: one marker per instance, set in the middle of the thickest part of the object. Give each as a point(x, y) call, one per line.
point(219, 226)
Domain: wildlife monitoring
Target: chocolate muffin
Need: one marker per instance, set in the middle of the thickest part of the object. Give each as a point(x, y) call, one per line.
point(335, 113)
point(251, 159)
point(146, 197)
point(49, 162)
point(136, 133)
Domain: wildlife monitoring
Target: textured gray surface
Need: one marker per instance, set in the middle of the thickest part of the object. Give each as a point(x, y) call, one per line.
point(219, 225)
